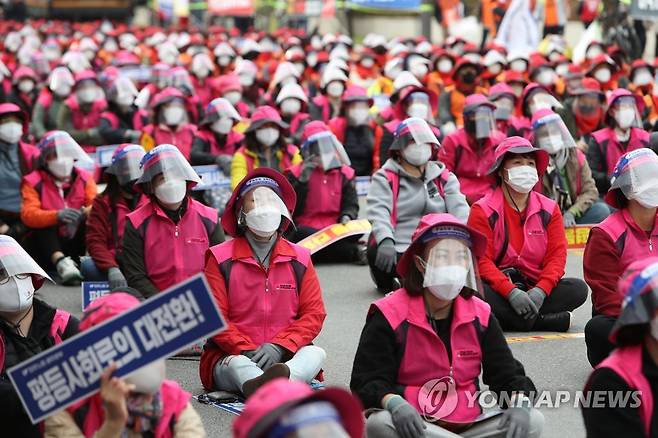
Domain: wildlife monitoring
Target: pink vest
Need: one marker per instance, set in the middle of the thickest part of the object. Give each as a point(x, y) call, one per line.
point(119, 215)
point(611, 149)
point(85, 120)
point(233, 140)
point(182, 138)
point(89, 414)
point(631, 242)
point(627, 363)
point(325, 193)
point(29, 155)
point(471, 166)
point(262, 303)
point(538, 214)
point(174, 252)
point(325, 107)
point(49, 194)
point(425, 357)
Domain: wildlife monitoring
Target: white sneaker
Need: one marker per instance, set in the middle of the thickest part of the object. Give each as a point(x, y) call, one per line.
point(68, 271)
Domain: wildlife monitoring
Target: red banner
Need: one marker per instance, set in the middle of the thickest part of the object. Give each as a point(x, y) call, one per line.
point(231, 7)
point(328, 9)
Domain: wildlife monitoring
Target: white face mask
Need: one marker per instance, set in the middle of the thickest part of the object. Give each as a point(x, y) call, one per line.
point(648, 197)
point(642, 77)
point(173, 115)
point(367, 62)
point(246, 80)
point(172, 191)
point(124, 100)
point(518, 65)
point(335, 89)
point(546, 77)
point(26, 86)
point(201, 72)
point(148, 379)
point(222, 126)
point(593, 52)
point(11, 132)
point(552, 143)
point(522, 178)
point(62, 90)
point(263, 221)
point(86, 95)
point(358, 116)
point(224, 60)
point(291, 106)
point(300, 68)
point(602, 75)
point(445, 282)
point(61, 167)
point(16, 294)
point(419, 70)
point(625, 117)
point(420, 110)
point(495, 69)
point(444, 65)
point(233, 96)
point(267, 136)
point(562, 69)
point(417, 154)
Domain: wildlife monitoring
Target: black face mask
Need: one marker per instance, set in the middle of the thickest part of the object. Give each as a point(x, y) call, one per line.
point(129, 188)
point(468, 78)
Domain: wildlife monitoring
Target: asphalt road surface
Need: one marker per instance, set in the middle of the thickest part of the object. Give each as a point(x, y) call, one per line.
point(553, 364)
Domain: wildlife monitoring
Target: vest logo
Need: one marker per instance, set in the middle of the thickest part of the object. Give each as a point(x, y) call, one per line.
point(468, 354)
point(437, 398)
point(536, 232)
point(285, 287)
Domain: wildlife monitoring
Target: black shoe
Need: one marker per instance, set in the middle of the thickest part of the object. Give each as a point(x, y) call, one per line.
point(275, 371)
point(360, 255)
point(553, 322)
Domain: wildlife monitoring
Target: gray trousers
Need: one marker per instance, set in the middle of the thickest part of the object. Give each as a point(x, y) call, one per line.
point(380, 425)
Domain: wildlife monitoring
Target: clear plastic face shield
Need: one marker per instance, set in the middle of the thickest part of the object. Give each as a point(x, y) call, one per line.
point(625, 112)
point(326, 148)
point(124, 91)
point(166, 163)
point(642, 76)
point(504, 107)
point(480, 122)
point(61, 81)
point(76, 61)
point(202, 66)
point(317, 419)
point(542, 100)
point(418, 105)
point(552, 135)
point(67, 149)
point(15, 261)
point(416, 131)
point(126, 164)
point(635, 176)
point(262, 209)
point(223, 109)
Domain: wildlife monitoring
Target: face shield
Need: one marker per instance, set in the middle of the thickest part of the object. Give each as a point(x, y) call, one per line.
point(66, 148)
point(480, 122)
point(625, 113)
point(635, 176)
point(504, 108)
point(61, 81)
point(326, 147)
point(202, 66)
point(262, 209)
point(15, 261)
point(552, 135)
point(168, 161)
point(126, 164)
point(642, 76)
point(542, 100)
point(418, 105)
point(317, 419)
point(124, 91)
point(414, 130)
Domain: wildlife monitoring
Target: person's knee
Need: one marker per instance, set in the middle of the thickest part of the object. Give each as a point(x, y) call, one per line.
point(597, 331)
point(380, 424)
point(316, 353)
point(536, 423)
point(596, 213)
point(575, 294)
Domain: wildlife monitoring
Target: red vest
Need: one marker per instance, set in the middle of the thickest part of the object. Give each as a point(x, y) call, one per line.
point(262, 303)
point(49, 194)
point(285, 157)
point(89, 414)
point(610, 148)
point(538, 215)
point(325, 193)
point(174, 252)
point(85, 120)
point(233, 139)
point(182, 138)
point(394, 181)
point(627, 363)
point(29, 155)
point(471, 166)
point(139, 116)
point(425, 357)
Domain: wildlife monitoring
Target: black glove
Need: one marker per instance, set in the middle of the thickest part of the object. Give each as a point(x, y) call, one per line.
point(517, 422)
point(521, 303)
point(537, 295)
point(267, 355)
point(68, 216)
point(386, 256)
point(406, 419)
point(116, 278)
point(224, 163)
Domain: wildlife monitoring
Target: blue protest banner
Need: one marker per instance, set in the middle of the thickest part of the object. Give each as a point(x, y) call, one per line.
point(104, 155)
point(93, 290)
point(387, 5)
point(156, 329)
point(211, 177)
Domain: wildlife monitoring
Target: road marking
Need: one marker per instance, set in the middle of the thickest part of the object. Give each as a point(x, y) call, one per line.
point(515, 339)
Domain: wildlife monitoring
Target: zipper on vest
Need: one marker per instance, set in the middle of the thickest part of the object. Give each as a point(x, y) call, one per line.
point(176, 231)
point(650, 244)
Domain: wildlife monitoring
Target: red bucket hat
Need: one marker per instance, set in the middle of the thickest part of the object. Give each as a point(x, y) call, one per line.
point(268, 403)
point(312, 128)
point(286, 192)
point(519, 145)
point(622, 92)
point(473, 101)
point(107, 307)
point(478, 242)
point(501, 89)
point(266, 114)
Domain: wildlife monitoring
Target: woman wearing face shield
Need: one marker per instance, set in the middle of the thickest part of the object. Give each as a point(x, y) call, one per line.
point(630, 370)
point(534, 98)
point(216, 141)
point(357, 131)
point(143, 403)
point(107, 218)
point(264, 146)
point(450, 336)
point(171, 123)
point(621, 134)
point(164, 240)
point(326, 194)
point(408, 186)
point(526, 252)
point(56, 199)
point(469, 151)
point(568, 180)
point(51, 98)
point(81, 115)
point(28, 326)
point(505, 100)
point(627, 235)
point(123, 121)
point(268, 290)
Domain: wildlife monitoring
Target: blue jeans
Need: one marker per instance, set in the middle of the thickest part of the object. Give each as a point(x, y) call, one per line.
point(595, 214)
point(90, 271)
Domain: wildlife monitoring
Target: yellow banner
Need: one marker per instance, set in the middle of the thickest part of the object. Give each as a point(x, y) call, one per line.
point(577, 236)
point(333, 233)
